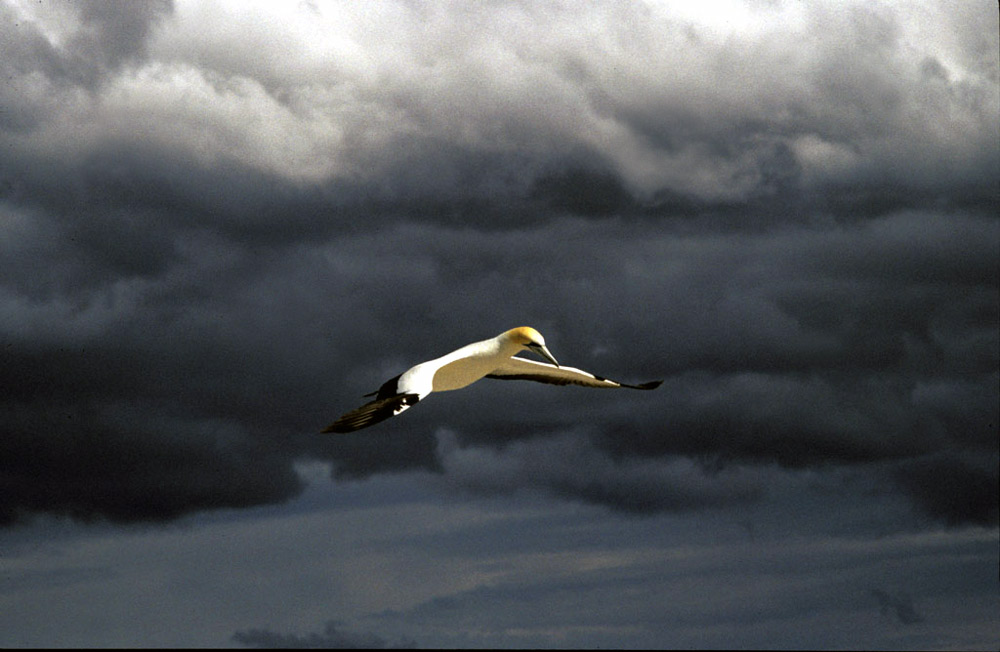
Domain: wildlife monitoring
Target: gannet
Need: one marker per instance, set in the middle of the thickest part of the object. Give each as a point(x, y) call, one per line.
point(492, 358)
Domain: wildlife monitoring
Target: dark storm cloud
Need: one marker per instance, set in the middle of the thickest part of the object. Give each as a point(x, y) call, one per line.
point(333, 637)
point(694, 595)
point(954, 486)
point(568, 466)
point(584, 192)
point(211, 254)
point(131, 463)
point(830, 346)
point(756, 371)
point(899, 606)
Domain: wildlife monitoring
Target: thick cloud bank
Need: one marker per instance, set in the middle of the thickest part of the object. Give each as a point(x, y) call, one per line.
point(220, 224)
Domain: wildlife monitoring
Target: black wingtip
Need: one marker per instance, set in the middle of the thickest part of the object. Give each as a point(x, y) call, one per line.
point(350, 423)
point(341, 426)
point(336, 426)
point(653, 384)
point(371, 413)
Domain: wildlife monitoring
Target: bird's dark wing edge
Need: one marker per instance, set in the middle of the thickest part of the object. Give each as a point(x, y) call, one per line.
point(523, 369)
point(549, 380)
point(372, 412)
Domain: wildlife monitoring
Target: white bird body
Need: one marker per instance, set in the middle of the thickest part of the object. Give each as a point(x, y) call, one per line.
point(458, 369)
point(492, 358)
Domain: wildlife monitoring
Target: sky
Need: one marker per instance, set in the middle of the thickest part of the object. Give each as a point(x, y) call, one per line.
point(222, 223)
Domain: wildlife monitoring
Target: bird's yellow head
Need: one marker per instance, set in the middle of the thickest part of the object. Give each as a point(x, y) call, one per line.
point(526, 336)
point(531, 339)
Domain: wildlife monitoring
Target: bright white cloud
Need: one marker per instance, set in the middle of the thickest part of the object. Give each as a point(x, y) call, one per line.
point(681, 96)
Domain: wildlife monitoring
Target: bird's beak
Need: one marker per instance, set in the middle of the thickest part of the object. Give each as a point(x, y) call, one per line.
point(544, 352)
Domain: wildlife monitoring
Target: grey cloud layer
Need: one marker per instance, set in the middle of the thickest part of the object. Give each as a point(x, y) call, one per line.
point(434, 111)
point(686, 596)
point(215, 224)
point(331, 638)
point(781, 359)
point(406, 558)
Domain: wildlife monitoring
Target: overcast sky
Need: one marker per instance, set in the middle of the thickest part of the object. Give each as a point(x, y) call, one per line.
point(222, 223)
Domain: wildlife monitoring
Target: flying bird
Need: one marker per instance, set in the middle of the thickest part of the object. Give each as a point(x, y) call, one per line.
point(492, 358)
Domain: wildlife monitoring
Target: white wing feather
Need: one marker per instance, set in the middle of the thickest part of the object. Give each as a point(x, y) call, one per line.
point(523, 369)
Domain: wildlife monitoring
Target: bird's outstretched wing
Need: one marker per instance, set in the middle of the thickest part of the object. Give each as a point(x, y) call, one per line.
point(372, 412)
point(523, 369)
